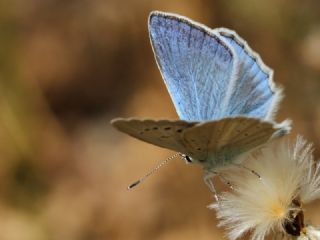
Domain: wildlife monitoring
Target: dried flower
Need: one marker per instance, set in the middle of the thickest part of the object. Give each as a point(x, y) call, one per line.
point(273, 203)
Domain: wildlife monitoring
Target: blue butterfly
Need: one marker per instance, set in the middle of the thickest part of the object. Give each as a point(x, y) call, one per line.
point(222, 91)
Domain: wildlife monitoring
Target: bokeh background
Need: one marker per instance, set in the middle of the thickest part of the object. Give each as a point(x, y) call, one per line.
point(68, 67)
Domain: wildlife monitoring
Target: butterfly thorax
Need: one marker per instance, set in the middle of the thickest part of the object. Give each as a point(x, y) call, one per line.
point(215, 160)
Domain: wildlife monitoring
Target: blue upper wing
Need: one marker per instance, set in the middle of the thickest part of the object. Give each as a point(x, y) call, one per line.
point(211, 74)
point(196, 64)
point(253, 92)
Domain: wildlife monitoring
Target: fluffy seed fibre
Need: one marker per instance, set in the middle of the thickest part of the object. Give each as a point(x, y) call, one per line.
point(261, 206)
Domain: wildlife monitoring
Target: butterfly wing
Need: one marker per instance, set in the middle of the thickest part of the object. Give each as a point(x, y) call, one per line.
point(210, 75)
point(196, 65)
point(253, 92)
point(217, 143)
point(163, 133)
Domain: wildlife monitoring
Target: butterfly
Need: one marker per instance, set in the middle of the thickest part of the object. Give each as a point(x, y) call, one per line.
point(222, 91)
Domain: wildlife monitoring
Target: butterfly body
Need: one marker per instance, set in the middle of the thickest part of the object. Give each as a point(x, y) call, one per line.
point(212, 144)
point(222, 91)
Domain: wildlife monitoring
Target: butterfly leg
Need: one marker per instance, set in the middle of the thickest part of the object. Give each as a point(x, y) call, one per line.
point(247, 169)
point(208, 176)
point(222, 178)
point(225, 181)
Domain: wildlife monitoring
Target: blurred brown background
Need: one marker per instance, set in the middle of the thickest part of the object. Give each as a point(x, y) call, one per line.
point(68, 67)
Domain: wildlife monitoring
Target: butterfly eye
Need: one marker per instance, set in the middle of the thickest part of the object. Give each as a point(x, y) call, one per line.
point(187, 158)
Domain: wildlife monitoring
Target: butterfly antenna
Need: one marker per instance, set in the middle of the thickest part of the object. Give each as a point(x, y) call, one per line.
point(165, 162)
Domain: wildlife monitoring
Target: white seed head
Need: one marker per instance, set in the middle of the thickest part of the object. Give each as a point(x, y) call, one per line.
point(289, 177)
